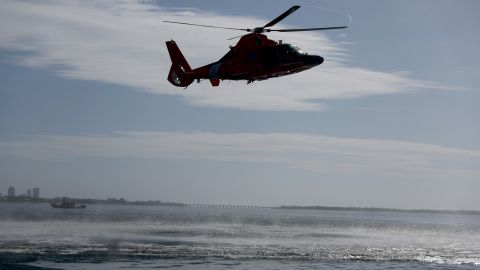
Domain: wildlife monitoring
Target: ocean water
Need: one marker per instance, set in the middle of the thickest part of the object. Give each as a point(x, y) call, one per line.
point(36, 236)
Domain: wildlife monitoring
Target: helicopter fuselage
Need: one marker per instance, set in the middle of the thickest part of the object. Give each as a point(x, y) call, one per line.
point(255, 57)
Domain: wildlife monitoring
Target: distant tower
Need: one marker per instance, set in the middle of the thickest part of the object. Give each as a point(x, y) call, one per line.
point(36, 193)
point(29, 193)
point(11, 192)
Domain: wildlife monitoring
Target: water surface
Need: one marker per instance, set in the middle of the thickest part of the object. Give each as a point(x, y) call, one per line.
point(126, 236)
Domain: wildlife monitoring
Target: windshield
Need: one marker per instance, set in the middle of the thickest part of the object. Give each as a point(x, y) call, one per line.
point(297, 49)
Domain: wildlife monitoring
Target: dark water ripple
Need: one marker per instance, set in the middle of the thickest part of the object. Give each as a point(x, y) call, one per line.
point(169, 237)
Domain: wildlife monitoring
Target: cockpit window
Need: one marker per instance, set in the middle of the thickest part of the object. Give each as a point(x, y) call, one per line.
point(296, 49)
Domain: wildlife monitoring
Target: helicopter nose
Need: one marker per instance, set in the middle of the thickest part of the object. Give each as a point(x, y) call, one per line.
point(313, 60)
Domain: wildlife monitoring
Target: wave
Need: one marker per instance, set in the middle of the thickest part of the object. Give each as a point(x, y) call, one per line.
point(117, 250)
point(111, 234)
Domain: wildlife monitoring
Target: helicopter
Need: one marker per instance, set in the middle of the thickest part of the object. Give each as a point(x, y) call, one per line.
point(253, 58)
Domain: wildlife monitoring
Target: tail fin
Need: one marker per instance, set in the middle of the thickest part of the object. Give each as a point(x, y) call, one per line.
point(180, 72)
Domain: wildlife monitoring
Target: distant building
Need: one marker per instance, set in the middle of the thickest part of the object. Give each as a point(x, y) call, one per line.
point(29, 193)
point(36, 193)
point(11, 192)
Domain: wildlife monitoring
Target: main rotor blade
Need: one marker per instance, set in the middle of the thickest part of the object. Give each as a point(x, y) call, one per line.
point(305, 29)
point(235, 37)
point(281, 17)
point(210, 26)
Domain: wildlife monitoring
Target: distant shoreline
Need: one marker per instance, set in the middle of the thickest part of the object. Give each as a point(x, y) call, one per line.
point(380, 209)
point(120, 201)
point(287, 207)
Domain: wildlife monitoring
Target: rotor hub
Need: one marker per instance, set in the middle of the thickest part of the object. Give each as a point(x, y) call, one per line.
point(258, 30)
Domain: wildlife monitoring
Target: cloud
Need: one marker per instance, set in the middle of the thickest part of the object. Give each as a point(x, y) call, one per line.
point(316, 153)
point(123, 42)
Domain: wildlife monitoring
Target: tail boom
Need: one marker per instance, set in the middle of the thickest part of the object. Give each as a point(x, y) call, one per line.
point(182, 75)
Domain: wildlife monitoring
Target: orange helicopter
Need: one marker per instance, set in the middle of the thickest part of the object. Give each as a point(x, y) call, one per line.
point(253, 58)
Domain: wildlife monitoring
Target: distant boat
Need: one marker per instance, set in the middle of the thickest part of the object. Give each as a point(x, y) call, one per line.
point(68, 205)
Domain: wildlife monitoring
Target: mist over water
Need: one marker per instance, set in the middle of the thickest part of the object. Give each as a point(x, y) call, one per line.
point(115, 236)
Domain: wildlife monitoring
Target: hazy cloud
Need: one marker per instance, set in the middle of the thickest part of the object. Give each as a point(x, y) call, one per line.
point(316, 153)
point(123, 42)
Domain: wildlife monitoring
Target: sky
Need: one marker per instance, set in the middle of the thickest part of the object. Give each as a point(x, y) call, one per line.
point(390, 119)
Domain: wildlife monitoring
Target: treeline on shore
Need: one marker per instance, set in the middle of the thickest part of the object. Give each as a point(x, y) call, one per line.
point(379, 209)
